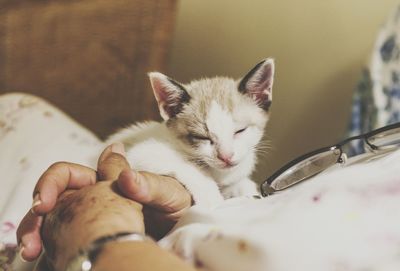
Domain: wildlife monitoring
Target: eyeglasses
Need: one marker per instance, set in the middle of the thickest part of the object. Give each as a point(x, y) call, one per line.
point(382, 140)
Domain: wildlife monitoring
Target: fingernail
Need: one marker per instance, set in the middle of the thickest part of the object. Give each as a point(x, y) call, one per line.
point(21, 249)
point(118, 147)
point(36, 202)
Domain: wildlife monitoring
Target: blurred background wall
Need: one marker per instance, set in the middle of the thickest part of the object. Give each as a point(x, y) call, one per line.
point(319, 46)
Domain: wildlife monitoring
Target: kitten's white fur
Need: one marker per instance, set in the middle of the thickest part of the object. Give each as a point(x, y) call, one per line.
point(203, 121)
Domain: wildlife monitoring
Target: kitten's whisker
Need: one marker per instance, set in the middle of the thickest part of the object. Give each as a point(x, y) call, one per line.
point(262, 148)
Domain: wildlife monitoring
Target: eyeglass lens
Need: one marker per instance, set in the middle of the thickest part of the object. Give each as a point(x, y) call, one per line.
point(306, 169)
point(386, 139)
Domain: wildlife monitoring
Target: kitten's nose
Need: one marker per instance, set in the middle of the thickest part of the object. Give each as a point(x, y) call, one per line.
point(225, 157)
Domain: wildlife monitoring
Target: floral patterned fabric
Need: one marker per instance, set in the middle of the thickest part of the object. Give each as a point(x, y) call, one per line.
point(7, 256)
point(33, 135)
point(376, 101)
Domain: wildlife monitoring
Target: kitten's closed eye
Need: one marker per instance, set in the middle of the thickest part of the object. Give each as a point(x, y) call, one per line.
point(196, 137)
point(240, 131)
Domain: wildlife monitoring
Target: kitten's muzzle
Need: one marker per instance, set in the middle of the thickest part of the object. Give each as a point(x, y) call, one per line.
point(226, 157)
point(226, 161)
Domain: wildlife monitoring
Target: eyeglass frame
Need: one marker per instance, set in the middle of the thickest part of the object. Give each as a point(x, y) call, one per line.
point(267, 190)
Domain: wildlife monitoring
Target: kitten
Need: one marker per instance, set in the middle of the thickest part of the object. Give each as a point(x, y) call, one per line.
point(209, 135)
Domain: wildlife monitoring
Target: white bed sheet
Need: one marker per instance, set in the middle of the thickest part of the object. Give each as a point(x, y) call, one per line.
point(345, 219)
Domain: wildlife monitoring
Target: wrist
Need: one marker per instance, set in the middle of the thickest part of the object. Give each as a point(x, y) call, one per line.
point(143, 256)
point(86, 258)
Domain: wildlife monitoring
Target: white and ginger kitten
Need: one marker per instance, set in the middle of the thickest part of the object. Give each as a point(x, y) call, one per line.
point(209, 136)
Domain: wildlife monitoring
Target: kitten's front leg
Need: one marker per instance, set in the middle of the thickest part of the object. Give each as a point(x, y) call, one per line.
point(245, 187)
point(204, 190)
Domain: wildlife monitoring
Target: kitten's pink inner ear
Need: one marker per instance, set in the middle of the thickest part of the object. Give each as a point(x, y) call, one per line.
point(170, 95)
point(160, 90)
point(262, 97)
point(260, 85)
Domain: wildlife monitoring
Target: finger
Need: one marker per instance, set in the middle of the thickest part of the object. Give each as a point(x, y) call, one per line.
point(111, 162)
point(63, 175)
point(161, 192)
point(116, 147)
point(55, 180)
point(28, 236)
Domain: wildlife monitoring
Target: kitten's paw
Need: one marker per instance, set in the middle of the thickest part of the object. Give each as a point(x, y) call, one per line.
point(184, 240)
point(243, 188)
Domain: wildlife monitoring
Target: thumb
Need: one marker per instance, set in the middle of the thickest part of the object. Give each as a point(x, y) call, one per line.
point(163, 193)
point(111, 162)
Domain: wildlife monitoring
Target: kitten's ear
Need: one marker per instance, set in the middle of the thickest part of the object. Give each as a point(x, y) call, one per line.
point(170, 95)
point(258, 83)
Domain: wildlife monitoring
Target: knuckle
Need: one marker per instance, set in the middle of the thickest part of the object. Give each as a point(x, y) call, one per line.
point(114, 159)
point(111, 166)
point(57, 166)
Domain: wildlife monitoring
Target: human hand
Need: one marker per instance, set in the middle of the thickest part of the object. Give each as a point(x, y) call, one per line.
point(164, 198)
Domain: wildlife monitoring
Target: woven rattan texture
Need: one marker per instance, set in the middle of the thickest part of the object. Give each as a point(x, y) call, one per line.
point(89, 57)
